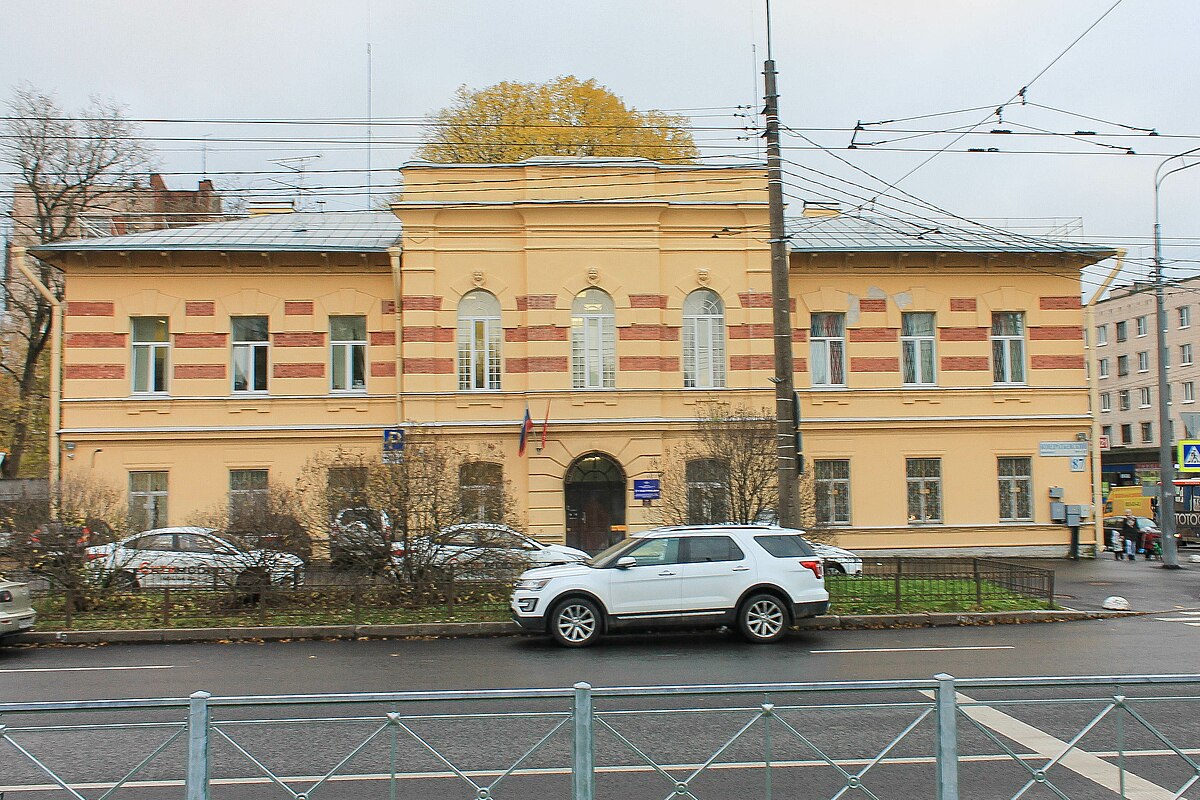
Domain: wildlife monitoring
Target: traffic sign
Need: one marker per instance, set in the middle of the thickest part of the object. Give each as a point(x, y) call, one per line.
point(1105, 443)
point(647, 489)
point(1189, 455)
point(393, 445)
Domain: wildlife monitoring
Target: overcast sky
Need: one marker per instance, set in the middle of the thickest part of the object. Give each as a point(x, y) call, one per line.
point(839, 62)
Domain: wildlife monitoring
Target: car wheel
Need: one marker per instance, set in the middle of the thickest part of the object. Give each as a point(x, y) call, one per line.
point(125, 582)
point(251, 584)
point(575, 623)
point(763, 619)
point(834, 568)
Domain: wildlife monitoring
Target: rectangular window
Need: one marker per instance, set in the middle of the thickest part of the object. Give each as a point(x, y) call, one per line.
point(1122, 331)
point(827, 346)
point(479, 353)
point(251, 352)
point(151, 346)
point(1140, 322)
point(1123, 400)
point(1106, 402)
point(1127, 434)
point(917, 336)
point(833, 492)
point(1102, 365)
point(1101, 335)
point(1106, 431)
point(1122, 366)
point(1016, 486)
point(593, 350)
point(1147, 432)
point(147, 500)
point(924, 476)
point(1008, 347)
point(348, 356)
point(1185, 316)
point(1189, 392)
point(1143, 361)
point(1144, 397)
point(1185, 355)
point(247, 494)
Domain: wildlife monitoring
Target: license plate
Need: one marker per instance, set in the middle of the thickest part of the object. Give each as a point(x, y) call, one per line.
point(25, 623)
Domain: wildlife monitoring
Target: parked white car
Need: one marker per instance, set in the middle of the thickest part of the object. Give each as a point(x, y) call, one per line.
point(838, 561)
point(760, 578)
point(192, 558)
point(16, 608)
point(485, 549)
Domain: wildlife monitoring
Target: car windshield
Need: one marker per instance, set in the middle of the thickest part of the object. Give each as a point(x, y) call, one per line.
point(607, 556)
point(1146, 522)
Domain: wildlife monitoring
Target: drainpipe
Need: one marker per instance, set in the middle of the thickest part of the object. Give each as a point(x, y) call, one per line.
point(21, 258)
point(1094, 402)
point(397, 295)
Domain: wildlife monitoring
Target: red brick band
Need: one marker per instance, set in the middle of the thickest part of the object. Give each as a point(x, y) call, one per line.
point(874, 334)
point(522, 365)
point(193, 340)
point(200, 308)
point(95, 340)
point(429, 366)
point(298, 308)
point(199, 371)
point(299, 371)
point(93, 371)
point(283, 339)
point(96, 308)
point(874, 365)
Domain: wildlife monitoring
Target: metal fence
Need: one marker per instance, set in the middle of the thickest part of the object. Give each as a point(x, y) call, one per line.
point(1074, 738)
point(950, 584)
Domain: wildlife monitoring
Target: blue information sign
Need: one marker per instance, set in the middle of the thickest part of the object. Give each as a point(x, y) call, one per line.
point(647, 489)
point(393, 445)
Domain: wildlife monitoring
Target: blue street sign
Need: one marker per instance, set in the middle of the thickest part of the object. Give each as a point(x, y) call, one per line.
point(1189, 456)
point(393, 445)
point(647, 489)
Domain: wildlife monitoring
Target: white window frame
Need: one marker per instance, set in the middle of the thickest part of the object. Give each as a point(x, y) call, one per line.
point(703, 340)
point(349, 347)
point(914, 346)
point(1143, 358)
point(1185, 354)
point(828, 487)
point(154, 349)
point(925, 484)
point(1189, 392)
point(247, 350)
point(1102, 364)
point(1003, 345)
point(593, 341)
point(1146, 430)
point(1185, 317)
point(251, 495)
point(1144, 397)
point(1123, 400)
point(1105, 401)
point(1141, 326)
point(480, 338)
point(1101, 335)
point(1014, 483)
point(149, 501)
point(826, 351)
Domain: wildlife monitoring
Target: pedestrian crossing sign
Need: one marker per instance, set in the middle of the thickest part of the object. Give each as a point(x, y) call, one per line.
point(1189, 455)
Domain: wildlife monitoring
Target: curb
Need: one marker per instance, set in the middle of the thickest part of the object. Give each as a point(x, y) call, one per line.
point(465, 629)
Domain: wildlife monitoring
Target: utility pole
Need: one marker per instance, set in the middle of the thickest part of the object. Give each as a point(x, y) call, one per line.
point(1166, 458)
point(786, 416)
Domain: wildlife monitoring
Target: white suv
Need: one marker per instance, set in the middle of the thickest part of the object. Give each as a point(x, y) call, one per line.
point(759, 577)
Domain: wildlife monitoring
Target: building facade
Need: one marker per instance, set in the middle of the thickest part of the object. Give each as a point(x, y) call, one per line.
point(617, 298)
point(1125, 340)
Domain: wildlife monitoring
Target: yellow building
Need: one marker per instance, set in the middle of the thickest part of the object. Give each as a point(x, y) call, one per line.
point(621, 295)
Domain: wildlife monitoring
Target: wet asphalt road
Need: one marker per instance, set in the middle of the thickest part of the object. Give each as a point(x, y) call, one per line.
point(848, 735)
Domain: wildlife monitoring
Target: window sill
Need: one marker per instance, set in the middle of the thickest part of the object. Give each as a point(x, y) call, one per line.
point(925, 524)
point(150, 396)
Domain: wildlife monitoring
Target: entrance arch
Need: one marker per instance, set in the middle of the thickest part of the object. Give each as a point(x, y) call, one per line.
point(594, 489)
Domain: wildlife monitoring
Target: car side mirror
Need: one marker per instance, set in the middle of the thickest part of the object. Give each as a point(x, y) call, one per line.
point(625, 562)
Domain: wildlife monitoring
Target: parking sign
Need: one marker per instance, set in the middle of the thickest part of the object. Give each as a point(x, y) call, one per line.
point(393, 445)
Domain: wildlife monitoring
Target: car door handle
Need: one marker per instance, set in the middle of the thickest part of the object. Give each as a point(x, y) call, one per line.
point(741, 569)
point(666, 573)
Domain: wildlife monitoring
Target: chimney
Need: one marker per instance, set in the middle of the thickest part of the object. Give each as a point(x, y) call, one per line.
point(260, 208)
point(822, 208)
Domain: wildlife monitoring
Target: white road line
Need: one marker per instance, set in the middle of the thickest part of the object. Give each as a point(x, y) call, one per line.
point(86, 669)
point(846, 763)
point(1081, 762)
point(918, 649)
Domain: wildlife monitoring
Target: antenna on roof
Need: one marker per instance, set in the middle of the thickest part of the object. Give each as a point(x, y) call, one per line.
point(297, 164)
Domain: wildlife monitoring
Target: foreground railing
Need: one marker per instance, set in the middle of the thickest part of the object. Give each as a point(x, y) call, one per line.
point(1065, 737)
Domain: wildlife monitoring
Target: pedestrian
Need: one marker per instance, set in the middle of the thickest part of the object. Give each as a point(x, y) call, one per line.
point(1118, 545)
point(1131, 534)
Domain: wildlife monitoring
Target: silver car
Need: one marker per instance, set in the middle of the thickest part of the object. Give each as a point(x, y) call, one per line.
point(16, 609)
point(484, 550)
point(838, 561)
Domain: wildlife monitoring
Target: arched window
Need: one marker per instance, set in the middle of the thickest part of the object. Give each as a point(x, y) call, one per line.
point(707, 491)
point(593, 340)
point(482, 490)
point(703, 340)
point(479, 335)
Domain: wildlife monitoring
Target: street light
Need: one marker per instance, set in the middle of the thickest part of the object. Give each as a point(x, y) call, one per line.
point(1166, 458)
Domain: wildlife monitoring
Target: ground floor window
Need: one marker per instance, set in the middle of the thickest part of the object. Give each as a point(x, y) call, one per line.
point(482, 491)
point(1016, 486)
point(833, 492)
point(707, 491)
point(924, 476)
point(247, 493)
point(147, 500)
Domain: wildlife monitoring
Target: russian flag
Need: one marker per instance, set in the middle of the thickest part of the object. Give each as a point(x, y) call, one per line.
point(526, 430)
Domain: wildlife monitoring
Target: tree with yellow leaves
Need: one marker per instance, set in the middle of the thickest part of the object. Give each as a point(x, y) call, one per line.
point(510, 122)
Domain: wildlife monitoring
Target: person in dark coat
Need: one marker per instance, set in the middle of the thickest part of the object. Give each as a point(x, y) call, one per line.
point(1131, 534)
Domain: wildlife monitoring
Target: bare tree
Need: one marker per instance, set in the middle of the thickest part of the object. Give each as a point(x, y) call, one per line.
point(64, 167)
point(725, 472)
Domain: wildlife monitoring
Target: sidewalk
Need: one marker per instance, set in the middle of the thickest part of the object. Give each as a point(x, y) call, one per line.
point(1085, 583)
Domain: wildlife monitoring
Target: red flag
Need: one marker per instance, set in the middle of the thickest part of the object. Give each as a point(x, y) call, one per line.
point(545, 425)
point(526, 430)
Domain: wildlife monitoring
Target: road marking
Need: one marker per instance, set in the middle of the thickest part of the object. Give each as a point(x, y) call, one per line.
point(1081, 762)
point(845, 763)
point(86, 669)
point(1184, 620)
point(918, 649)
